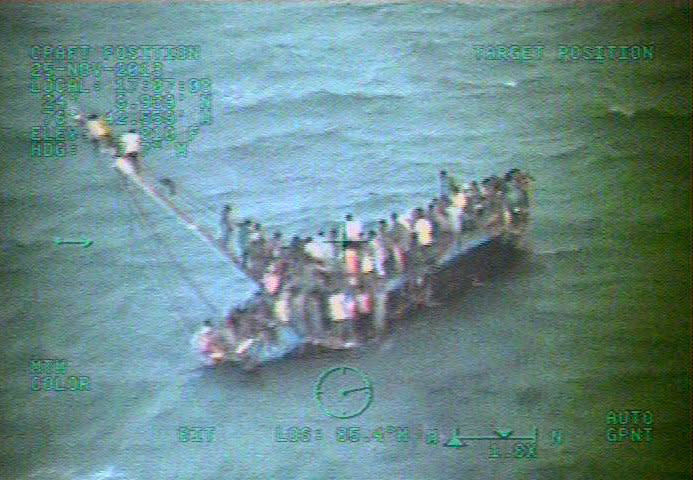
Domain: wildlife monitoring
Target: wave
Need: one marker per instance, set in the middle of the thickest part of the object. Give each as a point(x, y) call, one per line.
point(620, 110)
point(480, 88)
point(631, 112)
point(292, 136)
point(560, 250)
point(53, 473)
point(109, 473)
point(325, 96)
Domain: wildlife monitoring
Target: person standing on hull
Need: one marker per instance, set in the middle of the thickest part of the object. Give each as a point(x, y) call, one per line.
point(475, 198)
point(382, 246)
point(338, 316)
point(399, 236)
point(455, 212)
point(332, 251)
point(257, 251)
point(315, 309)
point(353, 229)
point(282, 306)
point(228, 224)
point(364, 303)
point(274, 245)
point(351, 310)
point(231, 332)
point(379, 318)
point(424, 257)
point(244, 242)
point(352, 261)
point(367, 250)
point(316, 248)
point(442, 218)
point(430, 216)
point(423, 227)
point(447, 184)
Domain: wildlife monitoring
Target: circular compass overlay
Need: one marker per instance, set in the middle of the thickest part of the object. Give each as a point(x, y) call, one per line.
point(344, 392)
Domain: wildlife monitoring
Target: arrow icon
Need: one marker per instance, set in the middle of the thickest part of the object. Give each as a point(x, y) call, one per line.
point(455, 441)
point(85, 243)
point(503, 434)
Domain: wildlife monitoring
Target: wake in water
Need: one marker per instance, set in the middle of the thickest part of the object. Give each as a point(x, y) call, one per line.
point(52, 473)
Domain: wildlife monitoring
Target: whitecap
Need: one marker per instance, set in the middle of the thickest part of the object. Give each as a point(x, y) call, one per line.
point(109, 473)
point(628, 112)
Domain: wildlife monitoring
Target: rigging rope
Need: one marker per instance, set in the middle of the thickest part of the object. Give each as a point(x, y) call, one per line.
point(201, 209)
point(162, 245)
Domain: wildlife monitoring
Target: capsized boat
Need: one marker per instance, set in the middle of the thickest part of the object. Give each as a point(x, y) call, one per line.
point(484, 243)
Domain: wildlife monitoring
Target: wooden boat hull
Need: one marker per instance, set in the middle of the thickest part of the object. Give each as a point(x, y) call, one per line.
point(465, 266)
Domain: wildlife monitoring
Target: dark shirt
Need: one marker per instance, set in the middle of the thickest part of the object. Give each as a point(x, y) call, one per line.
point(243, 235)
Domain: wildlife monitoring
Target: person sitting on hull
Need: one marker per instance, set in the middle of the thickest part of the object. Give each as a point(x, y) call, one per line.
point(364, 304)
point(209, 344)
point(231, 331)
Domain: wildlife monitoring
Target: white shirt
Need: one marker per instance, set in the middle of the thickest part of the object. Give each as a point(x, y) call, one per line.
point(459, 200)
point(201, 338)
point(454, 214)
point(316, 249)
point(354, 229)
point(132, 142)
point(424, 231)
point(337, 307)
point(407, 220)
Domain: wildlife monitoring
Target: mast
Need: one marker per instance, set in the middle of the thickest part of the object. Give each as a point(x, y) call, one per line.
point(127, 170)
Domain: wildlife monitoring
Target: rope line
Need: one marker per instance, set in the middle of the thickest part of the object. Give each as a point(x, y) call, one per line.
point(163, 246)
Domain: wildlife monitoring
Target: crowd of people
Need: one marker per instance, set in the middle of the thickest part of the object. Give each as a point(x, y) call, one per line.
point(332, 287)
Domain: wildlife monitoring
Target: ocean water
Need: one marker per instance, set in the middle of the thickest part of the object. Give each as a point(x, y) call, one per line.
point(324, 109)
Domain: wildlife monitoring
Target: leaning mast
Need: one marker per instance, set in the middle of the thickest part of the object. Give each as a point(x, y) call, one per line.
point(127, 170)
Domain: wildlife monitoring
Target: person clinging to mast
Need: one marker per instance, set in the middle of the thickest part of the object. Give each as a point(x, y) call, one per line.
point(131, 145)
point(99, 130)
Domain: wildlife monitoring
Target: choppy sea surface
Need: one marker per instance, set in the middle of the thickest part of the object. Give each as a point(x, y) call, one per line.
point(320, 110)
